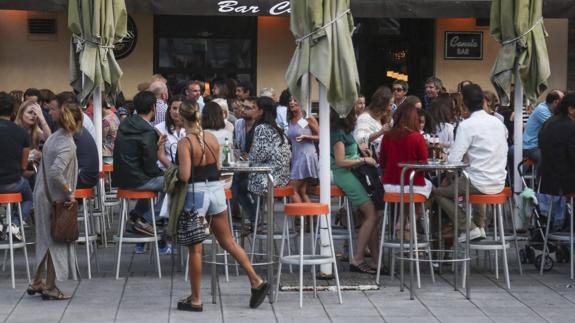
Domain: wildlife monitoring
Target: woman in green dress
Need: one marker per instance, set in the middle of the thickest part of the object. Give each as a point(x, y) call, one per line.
point(345, 156)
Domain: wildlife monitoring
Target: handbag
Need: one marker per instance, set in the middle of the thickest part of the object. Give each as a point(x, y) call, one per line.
point(64, 216)
point(369, 178)
point(192, 228)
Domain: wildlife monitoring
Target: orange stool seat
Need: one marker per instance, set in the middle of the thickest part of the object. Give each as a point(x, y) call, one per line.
point(507, 191)
point(107, 168)
point(334, 191)
point(500, 198)
point(228, 193)
point(135, 195)
point(305, 209)
point(284, 191)
point(528, 162)
point(84, 193)
point(396, 198)
point(10, 198)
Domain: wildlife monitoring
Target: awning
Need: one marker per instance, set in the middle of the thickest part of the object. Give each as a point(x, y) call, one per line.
point(360, 8)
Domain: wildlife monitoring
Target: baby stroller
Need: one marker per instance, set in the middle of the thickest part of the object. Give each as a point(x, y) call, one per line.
point(533, 251)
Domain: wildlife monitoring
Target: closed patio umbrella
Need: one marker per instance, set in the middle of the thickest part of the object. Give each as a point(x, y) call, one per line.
point(323, 29)
point(96, 25)
point(523, 60)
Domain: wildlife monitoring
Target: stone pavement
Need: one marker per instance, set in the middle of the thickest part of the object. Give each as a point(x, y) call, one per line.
point(139, 296)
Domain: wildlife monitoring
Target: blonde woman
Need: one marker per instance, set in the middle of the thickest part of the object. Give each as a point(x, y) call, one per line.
point(56, 260)
point(30, 118)
point(198, 156)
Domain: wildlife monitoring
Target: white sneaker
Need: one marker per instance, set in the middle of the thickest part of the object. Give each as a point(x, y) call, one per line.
point(473, 235)
point(483, 234)
point(15, 232)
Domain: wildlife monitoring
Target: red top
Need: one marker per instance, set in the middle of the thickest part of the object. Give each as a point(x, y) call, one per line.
point(410, 148)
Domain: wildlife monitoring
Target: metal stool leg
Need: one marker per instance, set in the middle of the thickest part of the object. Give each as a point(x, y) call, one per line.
point(515, 239)
point(156, 238)
point(24, 240)
point(86, 235)
point(301, 233)
point(381, 239)
point(11, 243)
point(503, 242)
point(284, 229)
point(123, 217)
point(335, 270)
point(255, 224)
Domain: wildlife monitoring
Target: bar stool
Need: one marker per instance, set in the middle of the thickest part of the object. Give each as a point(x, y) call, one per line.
point(514, 237)
point(341, 233)
point(524, 165)
point(393, 242)
point(110, 199)
point(284, 193)
point(89, 236)
point(124, 195)
point(499, 242)
point(302, 210)
point(10, 245)
point(560, 237)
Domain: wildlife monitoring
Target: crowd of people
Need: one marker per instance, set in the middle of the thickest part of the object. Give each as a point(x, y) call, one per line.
point(49, 145)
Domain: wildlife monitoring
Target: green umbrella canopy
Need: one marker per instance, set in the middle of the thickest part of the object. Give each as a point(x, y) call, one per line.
point(325, 51)
point(518, 26)
point(96, 26)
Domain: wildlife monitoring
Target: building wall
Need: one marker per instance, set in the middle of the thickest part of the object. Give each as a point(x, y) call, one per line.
point(454, 71)
point(275, 49)
point(26, 62)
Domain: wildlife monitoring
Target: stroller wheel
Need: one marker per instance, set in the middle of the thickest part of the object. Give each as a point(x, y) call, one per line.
point(546, 266)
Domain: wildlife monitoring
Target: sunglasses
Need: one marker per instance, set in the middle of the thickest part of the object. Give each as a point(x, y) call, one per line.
point(398, 89)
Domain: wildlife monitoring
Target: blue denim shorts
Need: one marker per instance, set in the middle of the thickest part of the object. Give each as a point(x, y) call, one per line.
point(209, 198)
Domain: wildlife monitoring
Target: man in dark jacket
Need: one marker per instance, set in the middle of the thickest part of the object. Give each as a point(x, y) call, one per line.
point(135, 161)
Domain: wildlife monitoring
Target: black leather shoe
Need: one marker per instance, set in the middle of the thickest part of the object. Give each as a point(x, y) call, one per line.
point(259, 294)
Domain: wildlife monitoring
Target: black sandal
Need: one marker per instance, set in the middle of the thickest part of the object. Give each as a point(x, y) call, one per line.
point(259, 294)
point(186, 305)
point(362, 268)
point(31, 290)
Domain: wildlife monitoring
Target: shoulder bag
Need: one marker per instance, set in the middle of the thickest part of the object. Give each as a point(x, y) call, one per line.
point(192, 228)
point(64, 216)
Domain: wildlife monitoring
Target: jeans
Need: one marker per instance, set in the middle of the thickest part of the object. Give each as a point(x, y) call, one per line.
point(22, 186)
point(244, 198)
point(155, 184)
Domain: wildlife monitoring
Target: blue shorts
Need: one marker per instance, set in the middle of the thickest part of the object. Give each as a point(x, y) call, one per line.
point(209, 198)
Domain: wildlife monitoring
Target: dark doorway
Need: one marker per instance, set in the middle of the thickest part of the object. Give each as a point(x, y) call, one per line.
point(404, 46)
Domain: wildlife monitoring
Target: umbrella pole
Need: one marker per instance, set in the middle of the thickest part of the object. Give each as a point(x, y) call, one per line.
point(517, 130)
point(324, 176)
point(97, 119)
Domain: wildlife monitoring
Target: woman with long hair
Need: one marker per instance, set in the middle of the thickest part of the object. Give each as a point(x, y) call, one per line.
point(375, 121)
point(302, 132)
point(30, 118)
point(404, 143)
point(270, 147)
point(213, 122)
point(440, 112)
point(198, 156)
point(171, 131)
point(59, 171)
point(345, 156)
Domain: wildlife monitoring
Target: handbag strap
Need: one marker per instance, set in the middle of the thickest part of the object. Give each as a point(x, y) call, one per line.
point(46, 180)
point(192, 163)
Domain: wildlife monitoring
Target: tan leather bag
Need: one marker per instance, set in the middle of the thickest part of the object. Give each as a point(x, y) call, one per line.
point(64, 217)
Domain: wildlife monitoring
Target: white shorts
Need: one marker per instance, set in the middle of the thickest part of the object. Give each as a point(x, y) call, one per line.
point(423, 190)
point(208, 198)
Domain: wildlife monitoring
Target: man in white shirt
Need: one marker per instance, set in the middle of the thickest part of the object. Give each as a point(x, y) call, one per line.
point(481, 141)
